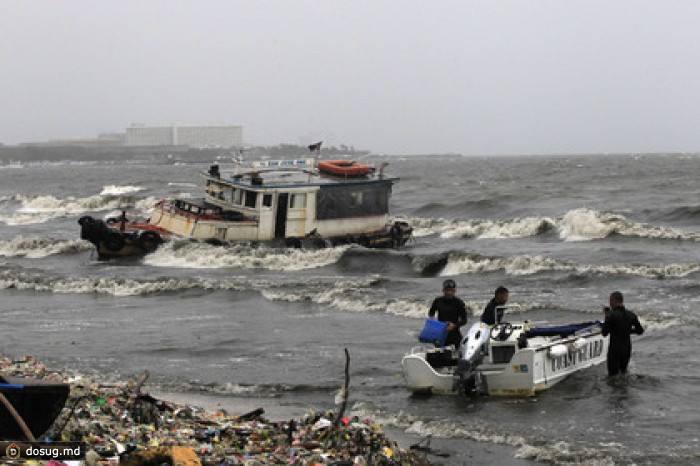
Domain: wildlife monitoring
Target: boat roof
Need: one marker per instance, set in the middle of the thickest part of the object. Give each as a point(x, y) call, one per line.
point(290, 177)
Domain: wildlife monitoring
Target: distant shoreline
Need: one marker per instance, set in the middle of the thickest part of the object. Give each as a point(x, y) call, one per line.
point(60, 152)
point(57, 152)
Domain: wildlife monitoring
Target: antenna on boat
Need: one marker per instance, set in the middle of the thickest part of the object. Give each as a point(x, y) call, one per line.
point(238, 160)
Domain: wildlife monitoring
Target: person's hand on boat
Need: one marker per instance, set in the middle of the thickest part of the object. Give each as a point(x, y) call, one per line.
point(451, 326)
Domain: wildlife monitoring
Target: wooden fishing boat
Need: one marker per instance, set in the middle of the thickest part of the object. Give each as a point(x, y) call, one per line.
point(288, 202)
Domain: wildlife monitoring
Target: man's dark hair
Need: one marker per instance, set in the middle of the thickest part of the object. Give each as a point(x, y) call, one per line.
point(501, 290)
point(617, 296)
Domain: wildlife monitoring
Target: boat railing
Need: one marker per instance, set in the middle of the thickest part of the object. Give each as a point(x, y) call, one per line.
point(570, 339)
point(425, 349)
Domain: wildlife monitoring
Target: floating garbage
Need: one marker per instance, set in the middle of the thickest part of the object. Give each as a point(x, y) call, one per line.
point(123, 425)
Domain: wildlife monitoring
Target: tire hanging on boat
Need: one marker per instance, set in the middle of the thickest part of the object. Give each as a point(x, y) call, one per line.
point(149, 240)
point(86, 227)
point(113, 241)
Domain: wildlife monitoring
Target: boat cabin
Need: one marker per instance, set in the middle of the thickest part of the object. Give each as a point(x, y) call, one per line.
point(280, 202)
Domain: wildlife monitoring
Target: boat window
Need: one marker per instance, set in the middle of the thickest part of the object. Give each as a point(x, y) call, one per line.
point(297, 201)
point(350, 201)
point(250, 198)
point(267, 200)
point(502, 354)
point(356, 199)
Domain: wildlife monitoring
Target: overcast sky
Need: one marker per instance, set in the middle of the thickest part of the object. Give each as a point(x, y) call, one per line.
point(397, 77)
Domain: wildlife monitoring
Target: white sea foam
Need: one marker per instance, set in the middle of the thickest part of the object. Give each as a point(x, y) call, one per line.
point(24, 280)
point(553, 452)
point(40, 209)
point(459, 263)
point(416, 308)
point(206, 256)
point(516, 228)
point(575, 225)
point(334, 297)
point(464, 263)
point(25, 219)
point(586, 224)
point(113, 190)
point(35, 247)
point(346, 295)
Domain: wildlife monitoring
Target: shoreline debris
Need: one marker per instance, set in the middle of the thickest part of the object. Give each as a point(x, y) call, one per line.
point(122, 424)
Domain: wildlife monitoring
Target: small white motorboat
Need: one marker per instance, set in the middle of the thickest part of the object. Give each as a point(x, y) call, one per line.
point(506, 359)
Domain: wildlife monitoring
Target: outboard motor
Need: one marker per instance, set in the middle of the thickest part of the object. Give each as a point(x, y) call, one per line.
point(472, 351)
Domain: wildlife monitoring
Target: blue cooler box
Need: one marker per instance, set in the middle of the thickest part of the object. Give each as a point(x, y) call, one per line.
point(434, 331)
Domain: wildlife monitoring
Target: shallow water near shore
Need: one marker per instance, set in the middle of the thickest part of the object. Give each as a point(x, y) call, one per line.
point(246, 327)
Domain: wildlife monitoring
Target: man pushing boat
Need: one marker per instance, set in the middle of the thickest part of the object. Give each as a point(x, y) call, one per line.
point(450, 309)
point(619, 324)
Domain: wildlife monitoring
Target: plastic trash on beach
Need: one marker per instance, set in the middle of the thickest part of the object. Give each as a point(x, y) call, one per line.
point(122, 425)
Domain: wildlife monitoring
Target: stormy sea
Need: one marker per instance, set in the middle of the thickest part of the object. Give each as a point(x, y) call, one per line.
point(249, 325)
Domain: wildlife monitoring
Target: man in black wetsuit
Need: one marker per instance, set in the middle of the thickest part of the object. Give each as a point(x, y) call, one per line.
point(500, 299)
point(619, 323)
point(450, 309)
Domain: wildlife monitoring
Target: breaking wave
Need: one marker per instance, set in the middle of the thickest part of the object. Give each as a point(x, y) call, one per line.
point(35, 248)
point(15, 277)
point(350, 295)
point(205, 256)
point(113, 190)
point(466, 263)
point(40, 209)
point(576, 225)
point(33, 281)
point(494, 229)
point(350, 299)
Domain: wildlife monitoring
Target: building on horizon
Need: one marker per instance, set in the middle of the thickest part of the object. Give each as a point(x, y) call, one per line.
point(198, 137)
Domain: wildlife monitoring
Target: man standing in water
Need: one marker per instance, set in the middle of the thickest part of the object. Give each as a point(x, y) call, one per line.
point(619, 324)
point(452, 310)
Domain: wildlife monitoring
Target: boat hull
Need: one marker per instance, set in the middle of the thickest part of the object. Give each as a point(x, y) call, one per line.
point(215, 228)
point(128, 239)
point(528, 371)
point(37, 402)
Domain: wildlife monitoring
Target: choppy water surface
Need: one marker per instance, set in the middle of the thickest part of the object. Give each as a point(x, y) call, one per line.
point(269, 325)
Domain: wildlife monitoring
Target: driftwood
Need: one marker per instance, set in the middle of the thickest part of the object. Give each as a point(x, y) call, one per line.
point(136, 393)
point(344, 404)
point(254, 414)
point(58, 431)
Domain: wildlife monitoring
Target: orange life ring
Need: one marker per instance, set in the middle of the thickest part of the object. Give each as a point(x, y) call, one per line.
point(343, 168)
